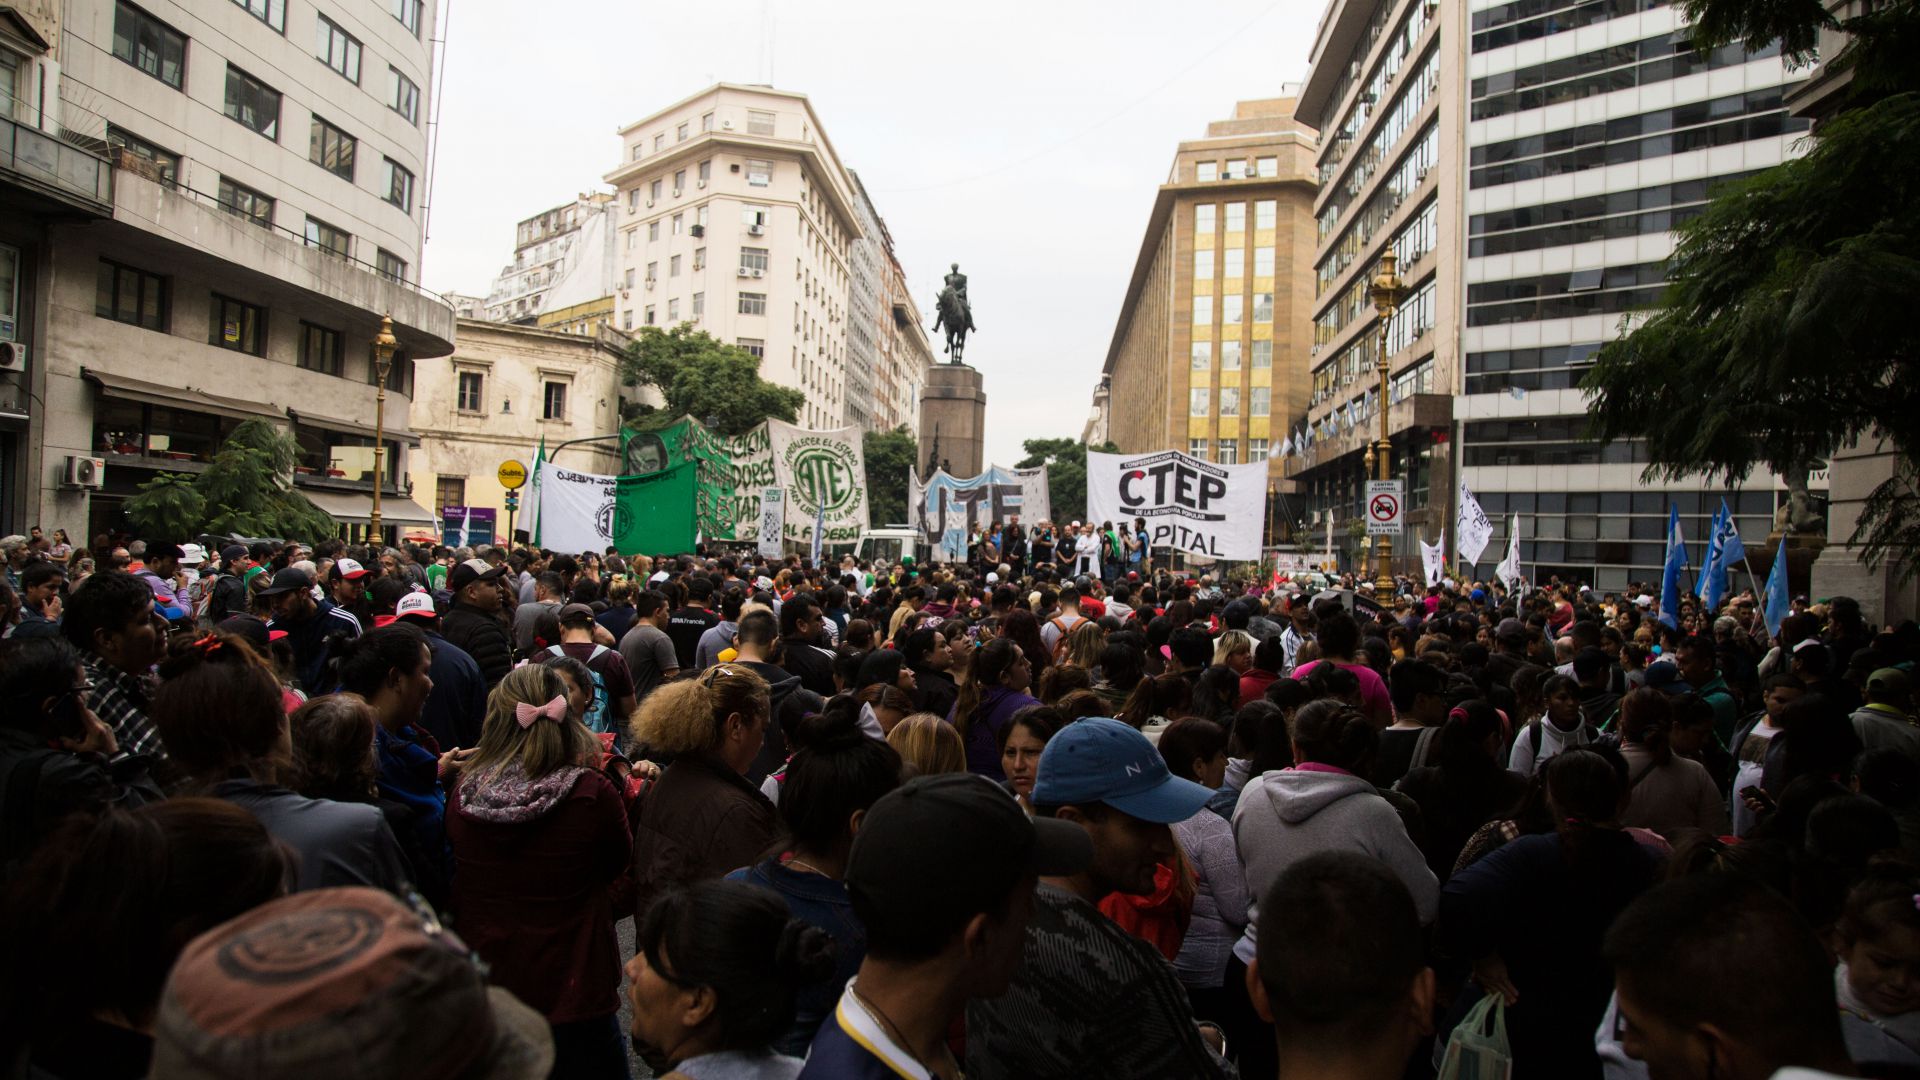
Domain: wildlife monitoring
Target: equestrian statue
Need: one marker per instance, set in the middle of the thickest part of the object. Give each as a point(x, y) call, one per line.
point(956, 314)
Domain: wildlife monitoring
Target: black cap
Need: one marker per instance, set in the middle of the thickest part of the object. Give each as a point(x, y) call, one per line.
point(941, 849)
point(233, 552)
point(248, 628)
point(575, 614)
point(165, 550)
point(287, 581)
point(1665, 677)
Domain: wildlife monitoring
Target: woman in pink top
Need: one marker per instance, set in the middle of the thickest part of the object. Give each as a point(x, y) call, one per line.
point(1339, 638)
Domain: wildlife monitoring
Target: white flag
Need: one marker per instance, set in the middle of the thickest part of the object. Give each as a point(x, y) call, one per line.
point(1433, 558)
point(1471, 530)
point(1509, 569)
point(466, 529)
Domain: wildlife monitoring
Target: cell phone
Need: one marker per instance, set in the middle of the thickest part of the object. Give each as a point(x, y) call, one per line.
point(1752, 791)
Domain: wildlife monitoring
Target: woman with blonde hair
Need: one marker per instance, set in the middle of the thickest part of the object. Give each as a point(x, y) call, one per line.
point(929, 745)
point(540, 851)
point(702, 818)
point(1084, 643)
point(1234, 650)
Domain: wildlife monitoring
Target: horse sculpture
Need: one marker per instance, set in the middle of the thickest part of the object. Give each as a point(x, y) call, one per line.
point(956, 314)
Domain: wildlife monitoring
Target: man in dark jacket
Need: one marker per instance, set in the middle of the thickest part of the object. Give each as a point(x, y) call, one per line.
point(474, 623)
point(801, 621)
point(309, 625)
point(755, 640)
point(458, 701)
point(230, 591)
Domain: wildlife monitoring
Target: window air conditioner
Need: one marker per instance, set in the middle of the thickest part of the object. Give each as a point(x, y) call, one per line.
point(758, 274)
point(676, 193)
point(649, 204)
point(13, 356)
point(700, 183)
point(756, 230)
point(726, 125)
point(699, 231)
point(649, 284)
point(84, 472)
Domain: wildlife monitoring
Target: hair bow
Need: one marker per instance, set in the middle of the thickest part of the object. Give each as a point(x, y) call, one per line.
point(555, 710)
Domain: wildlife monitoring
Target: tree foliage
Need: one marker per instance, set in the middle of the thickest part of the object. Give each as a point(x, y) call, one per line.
point(247, 489)
point(890, 455)
point(1784, 333)
point(1066, 462)
point(699, 376)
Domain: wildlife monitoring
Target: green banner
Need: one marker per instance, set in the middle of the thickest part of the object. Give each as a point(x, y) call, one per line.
point(654, 514)
point(730, 471)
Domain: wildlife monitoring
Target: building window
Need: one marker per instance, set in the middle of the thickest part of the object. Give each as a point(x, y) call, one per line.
point(403, 96)
point(553, 405)
point(1267, 167)
point(1203, 310)
point(673, 309)
point(1262, 355)
point(706, 121)
point(332, 149)
point(1197, 401)
point(1260, 401)
point(329, 239)
point(1197, 448)
point(338, 50)
point(1263, 307)
point(753, 261)
point(1263, 262)
point(1265, 214)
point(759, 122)
point(397, 183)
point(390, 266)
point(759, 172)
point(653, 232)
point(1229, 401)
point(1236, 170)
point(755, 347)
point(131, 296)
point(648, 315)
point(705, 172)
point(1256, 449)
point(449, 491)
point(673, 266)
point(1236, 217)
point(679, 224)
point(253, 103)
point(680, 133)
point(1206, 170)
point(1233, 263)
point(408, 12)
point(754, 217)
point(238, 325)
point(753, 303)
point(659, 142)
point(1230, 309)
point(271, 12)
point(626, 319)
point(653, 272)
point(679, 181)
point(149, 44)
point(1230, 355)
point(653, 190)
point(246, 202)
point(1229, 451)
point(320, 349)
point(1203, 218)
point(699, 259)
point(1202, 355)
point(167, 161)
point(1203, 265)
point(472, 392)
point(699, 304)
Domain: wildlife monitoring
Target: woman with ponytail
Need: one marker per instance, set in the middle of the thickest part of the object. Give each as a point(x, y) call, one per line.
point(1667, 792)
point(995, 689)
point(540, 848)
point(717, 970)
point(1467, 787)
point(1531, 916)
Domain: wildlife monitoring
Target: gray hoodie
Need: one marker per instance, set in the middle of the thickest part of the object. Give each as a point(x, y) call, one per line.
point(1288, 814)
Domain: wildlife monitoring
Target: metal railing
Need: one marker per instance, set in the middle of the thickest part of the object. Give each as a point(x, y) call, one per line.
point(55, 163)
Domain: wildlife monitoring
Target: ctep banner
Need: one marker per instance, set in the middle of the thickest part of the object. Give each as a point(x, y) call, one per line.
point(1189, 505)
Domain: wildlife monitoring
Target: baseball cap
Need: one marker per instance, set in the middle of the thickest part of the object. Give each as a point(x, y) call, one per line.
point(1106, 761)
point(1664, 676)
point(1808, 643)
point(466, 573)
point(575, 613)
point(1643, 601)
point(349, 568)
point(232, 552)
point(993, 577)
point(1133, 575)
point(415, 604)
point(164, 550)
point(250, 629)
point(287, 581)
point(940, 849)
point(310, 981)
point(1891, 681)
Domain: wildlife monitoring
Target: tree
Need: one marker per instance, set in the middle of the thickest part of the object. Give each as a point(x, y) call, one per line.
point(247, 489)
point(706, 379)
point(1784, 333)
point(1066, 462)
point(890, 455)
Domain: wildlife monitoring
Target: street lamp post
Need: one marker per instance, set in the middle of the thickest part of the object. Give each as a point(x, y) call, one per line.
point(383, 346)
point(1386, 292)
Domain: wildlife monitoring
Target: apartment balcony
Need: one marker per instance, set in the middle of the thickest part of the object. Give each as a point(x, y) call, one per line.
point(51, 175)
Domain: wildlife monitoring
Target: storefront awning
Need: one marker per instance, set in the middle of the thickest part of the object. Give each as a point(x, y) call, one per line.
point(177, 397)
point(351, 427)
point(354, 507)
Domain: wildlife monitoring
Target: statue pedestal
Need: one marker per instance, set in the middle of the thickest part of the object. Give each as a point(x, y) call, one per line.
point(953, 421)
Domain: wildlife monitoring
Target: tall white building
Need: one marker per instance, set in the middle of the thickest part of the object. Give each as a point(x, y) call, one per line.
point(888, 349)
point(210, 206)
point(737, 216)
point(563, 259)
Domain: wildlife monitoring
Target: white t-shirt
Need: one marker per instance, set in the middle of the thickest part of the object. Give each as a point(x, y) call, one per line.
point(1746, 773)
point(1552, 740)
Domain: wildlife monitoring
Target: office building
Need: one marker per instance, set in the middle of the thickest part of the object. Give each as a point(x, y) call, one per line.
point(736, 216)
point(1209, 354)
point(562, 275)
point(891, 381)
point(208, 207)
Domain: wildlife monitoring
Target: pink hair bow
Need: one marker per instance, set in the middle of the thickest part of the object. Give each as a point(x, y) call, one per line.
point(555, 710)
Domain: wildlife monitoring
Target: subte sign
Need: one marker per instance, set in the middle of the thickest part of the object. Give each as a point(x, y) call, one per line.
point(1386, 501)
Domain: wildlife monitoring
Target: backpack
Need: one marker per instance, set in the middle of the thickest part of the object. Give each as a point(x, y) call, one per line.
point(1060, 643)
point(600, 709)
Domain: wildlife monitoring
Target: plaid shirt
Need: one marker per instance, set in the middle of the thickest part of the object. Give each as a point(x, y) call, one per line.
point(120, 700)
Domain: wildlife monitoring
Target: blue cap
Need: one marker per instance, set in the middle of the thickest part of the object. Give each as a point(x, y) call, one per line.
point(1106, 761)
point(1479, 594)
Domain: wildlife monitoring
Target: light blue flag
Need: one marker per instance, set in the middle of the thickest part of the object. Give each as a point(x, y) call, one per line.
point(1776, 604)
point(1731, 549)
point(1670, 577)
point(1727, 550)
point(1711, 564)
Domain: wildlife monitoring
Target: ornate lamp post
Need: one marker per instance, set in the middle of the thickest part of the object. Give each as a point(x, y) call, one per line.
point(1386, 292)
point(383, 346)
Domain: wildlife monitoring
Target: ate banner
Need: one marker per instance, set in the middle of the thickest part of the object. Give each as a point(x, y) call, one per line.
point(825, 474)
point(1189, 505)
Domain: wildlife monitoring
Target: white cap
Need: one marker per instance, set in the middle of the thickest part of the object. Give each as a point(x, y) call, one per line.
point(763, 582)
point(1643, 601)
point(349, 568)
point(993, 578)
point(192, 554)
point(414, 603)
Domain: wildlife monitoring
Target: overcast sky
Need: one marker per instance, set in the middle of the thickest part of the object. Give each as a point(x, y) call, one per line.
point(1022, 140)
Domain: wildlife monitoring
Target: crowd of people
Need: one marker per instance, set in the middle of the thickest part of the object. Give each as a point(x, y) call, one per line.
point(276, 808)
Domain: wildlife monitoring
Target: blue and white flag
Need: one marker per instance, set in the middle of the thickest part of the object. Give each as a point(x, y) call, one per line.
point(1712, 562)
point(1670, 576)
point(1519, 393)
point(1724, 552)
point(1775, 605)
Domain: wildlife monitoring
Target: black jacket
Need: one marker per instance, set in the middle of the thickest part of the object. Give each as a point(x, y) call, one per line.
point(935, 690)
point(40, 787)
point(229, 597)
point(482, 636)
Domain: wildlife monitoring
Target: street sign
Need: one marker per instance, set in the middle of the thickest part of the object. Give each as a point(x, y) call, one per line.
point(1386, 501)
point(512, 475)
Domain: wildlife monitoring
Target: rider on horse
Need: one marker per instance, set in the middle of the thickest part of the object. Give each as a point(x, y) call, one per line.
point(956, 313)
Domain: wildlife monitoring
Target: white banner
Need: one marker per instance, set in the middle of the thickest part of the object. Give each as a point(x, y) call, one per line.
point(946, 510)
point(575, 509)
point(1189, 505)
point(773, 520)
point(1433, 557)
point(825, 474)
point(1509, 569)
point(1472, 531)
point(1036, 502)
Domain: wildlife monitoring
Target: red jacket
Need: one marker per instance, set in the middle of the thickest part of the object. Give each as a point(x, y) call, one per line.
point(1253, 685)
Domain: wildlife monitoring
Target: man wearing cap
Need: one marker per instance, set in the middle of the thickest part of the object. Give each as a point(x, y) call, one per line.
point(458, 701)
point(609, 670)
point(1887, 717)
point(230, 588)
point(942, 877)
point(473, 622)
point(1092, 999)
point(308, 623)
point(347, 583)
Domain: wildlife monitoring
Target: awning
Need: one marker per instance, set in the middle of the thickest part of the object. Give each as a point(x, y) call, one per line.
point(351, 427)
point(354, 507)
point(177, 397)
